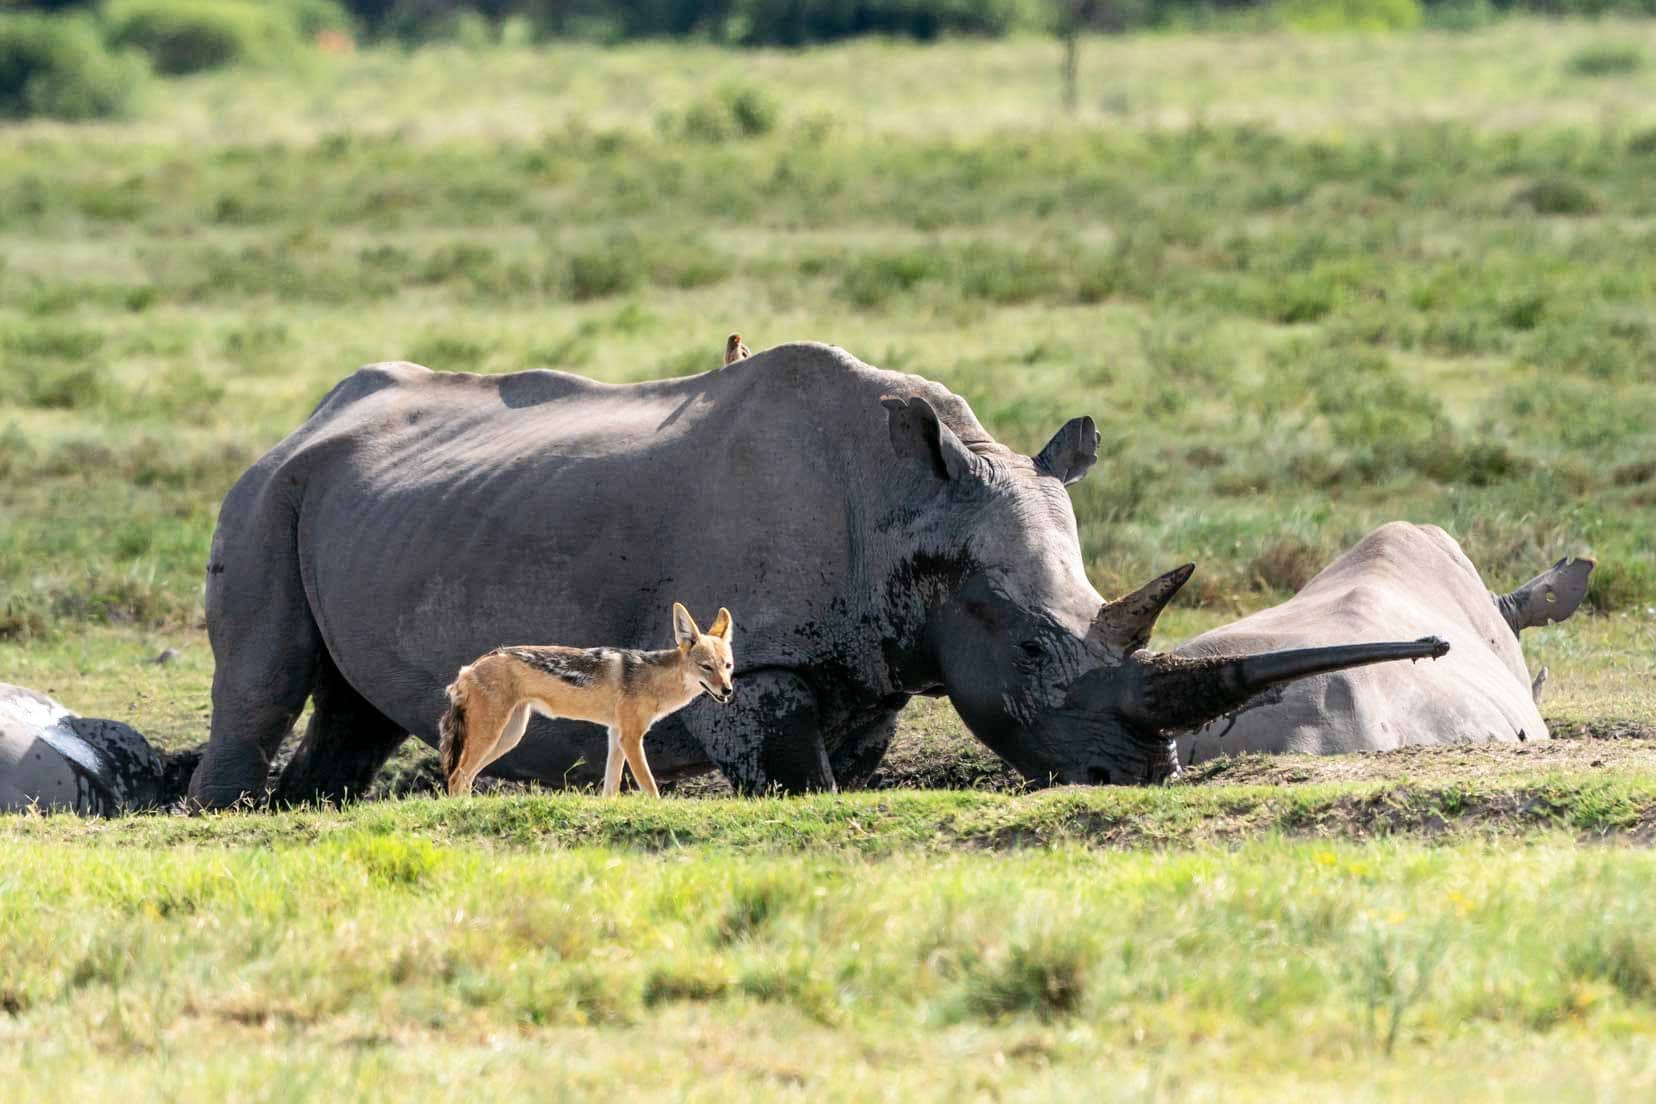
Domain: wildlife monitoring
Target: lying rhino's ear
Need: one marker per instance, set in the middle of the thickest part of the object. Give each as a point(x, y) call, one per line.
point(918, 434)
point(1071, 452)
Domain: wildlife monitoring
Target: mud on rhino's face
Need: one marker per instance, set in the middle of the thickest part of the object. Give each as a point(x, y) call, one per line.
point(1012, 641)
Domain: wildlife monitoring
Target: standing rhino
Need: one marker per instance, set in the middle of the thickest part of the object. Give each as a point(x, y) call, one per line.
point(872, 540)
point(54, 760)
point(1400, 579)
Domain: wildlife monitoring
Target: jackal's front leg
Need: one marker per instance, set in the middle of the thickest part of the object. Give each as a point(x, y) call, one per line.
point(632, 746)
point(612, 763)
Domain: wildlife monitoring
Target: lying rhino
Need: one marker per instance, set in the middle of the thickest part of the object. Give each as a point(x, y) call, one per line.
point(1401, 579)
point(872, 540)
point(54, 760)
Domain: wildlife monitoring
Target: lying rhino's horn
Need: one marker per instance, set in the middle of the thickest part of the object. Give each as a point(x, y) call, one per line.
point(1127, 622)
point(1179, 692)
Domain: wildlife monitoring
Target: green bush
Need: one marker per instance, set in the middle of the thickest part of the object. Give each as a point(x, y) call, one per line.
point(799, 22)
point(767, 22)
point(59, 67)
point(312, 16)
point(736, 110)
point(1605, 59)
point(189, 36)
point(1557, 195)
point(1350, 15)
point(1460, 15)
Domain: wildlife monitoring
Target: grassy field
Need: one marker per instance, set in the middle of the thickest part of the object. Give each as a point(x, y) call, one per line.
point(833, 948)
point(1304, 284)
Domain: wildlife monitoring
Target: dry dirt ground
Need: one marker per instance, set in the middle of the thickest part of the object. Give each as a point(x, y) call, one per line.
point(921, 760)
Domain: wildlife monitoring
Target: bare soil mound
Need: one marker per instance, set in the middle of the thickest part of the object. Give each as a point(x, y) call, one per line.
point(936, 761)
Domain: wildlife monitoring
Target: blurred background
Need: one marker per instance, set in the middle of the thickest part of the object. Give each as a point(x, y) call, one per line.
point(1311, 264)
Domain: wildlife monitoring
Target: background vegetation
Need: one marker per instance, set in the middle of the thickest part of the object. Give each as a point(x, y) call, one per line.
point(1295, 308)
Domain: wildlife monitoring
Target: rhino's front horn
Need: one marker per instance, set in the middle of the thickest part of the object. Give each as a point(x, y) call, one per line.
point(1126, 623)
point(1180, 692)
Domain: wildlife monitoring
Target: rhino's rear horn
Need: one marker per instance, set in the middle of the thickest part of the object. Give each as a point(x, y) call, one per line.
point(1127, 622)
point(1178, 692)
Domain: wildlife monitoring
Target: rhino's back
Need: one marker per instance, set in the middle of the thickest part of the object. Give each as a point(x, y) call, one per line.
point(1401, 582)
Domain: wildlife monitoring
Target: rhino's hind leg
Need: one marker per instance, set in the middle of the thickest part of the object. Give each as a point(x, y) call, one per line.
point(345, 744)
point(264, 667)
point(1551, 596)
point(768, 738)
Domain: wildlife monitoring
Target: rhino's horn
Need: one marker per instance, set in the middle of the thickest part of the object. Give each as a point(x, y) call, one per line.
point(1126, 623)
point(1180, 692)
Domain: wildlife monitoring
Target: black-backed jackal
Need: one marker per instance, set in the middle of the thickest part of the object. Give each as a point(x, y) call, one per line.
point(625, 690)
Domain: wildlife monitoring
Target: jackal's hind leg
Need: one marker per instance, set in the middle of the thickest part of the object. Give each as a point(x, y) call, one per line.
point(511, 735)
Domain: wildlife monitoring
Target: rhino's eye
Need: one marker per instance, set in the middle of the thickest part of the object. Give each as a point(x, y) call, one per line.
point(1032, 649)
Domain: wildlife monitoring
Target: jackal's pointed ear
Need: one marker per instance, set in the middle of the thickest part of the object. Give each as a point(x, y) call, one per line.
point(721, 626)
point(685, 632)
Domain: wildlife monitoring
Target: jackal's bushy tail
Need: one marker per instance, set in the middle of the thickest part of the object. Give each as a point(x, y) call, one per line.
point(451, 726)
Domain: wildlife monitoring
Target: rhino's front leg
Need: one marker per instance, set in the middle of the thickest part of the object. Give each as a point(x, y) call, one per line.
point(863, 749)
point(768, 736)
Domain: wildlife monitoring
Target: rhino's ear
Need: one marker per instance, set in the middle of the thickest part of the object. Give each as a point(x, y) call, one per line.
point(918, 434)
point(1072, 451)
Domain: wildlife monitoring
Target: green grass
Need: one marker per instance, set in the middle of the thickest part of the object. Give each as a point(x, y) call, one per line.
point(1618, 805)
point(401, 964)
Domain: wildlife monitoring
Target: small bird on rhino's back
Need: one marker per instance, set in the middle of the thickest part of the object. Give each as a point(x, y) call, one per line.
point(735, 350)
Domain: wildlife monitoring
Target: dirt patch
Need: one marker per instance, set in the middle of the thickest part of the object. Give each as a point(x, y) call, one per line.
point(1600, 746)
point(934, 761)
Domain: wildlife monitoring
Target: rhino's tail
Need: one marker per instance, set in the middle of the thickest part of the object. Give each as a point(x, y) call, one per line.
point(451, 727)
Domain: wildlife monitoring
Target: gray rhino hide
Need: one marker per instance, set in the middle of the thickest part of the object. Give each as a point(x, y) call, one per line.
point(56, 761)
point(1401, 580)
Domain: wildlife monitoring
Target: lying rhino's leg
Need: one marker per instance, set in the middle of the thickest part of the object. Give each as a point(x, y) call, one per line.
point(1551, 596)
point(769, 736)
point(860, 754)
point(345, 744)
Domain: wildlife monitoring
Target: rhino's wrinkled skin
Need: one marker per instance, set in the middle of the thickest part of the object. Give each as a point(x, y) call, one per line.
point(870, 538)
point(55, 761)
point(1400, 580)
